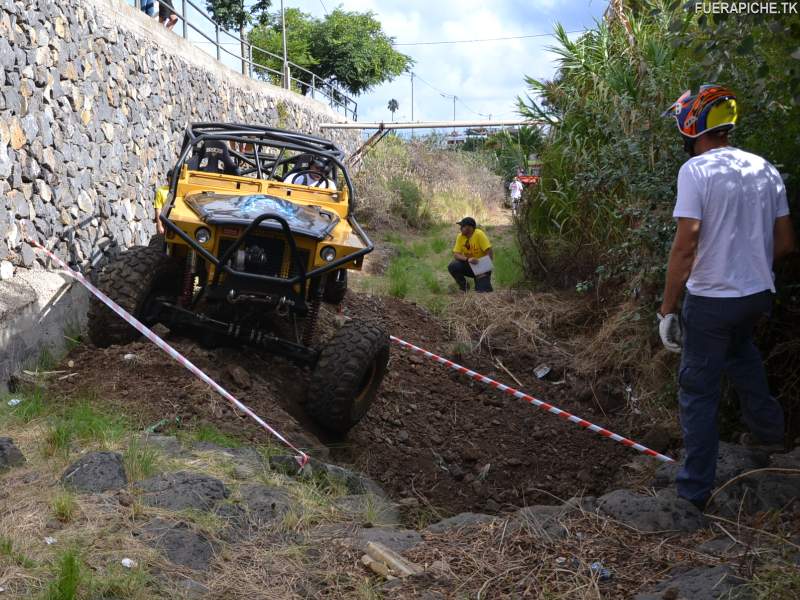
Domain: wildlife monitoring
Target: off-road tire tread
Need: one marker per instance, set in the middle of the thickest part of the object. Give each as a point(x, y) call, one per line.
point(339, 371)
point(127, 280)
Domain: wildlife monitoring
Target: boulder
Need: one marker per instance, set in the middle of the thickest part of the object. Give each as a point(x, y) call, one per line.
point(263, 503)
point(10, 456)
point(179, 542)
point(182, 490)
point(96, 472)
point(732, 460)
point(398, 540)
point(664, 512)
point(460, 521)
point(702, 583)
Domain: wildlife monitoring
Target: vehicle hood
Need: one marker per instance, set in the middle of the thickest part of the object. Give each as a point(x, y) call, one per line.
point(224, 209)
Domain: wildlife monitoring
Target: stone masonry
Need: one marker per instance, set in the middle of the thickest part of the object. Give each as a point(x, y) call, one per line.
point(94, 99)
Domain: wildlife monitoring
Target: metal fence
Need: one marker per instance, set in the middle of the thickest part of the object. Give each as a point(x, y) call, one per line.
point(221, 40)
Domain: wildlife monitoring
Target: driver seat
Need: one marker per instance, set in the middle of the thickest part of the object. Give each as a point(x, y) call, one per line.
point(213, 156)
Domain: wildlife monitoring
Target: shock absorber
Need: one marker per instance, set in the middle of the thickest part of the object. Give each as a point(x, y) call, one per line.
point(188, 278)
point(312, 316)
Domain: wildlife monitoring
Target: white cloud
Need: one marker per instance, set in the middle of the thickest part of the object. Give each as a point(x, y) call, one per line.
point(487, 77)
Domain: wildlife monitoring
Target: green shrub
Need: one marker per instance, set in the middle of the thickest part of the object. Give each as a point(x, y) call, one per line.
point(68, 578)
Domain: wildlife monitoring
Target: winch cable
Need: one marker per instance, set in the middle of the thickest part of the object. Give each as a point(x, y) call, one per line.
point(531, 400)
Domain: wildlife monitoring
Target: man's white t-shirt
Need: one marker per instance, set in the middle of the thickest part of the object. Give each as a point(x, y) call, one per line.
point(516, 189)
point(737, 196)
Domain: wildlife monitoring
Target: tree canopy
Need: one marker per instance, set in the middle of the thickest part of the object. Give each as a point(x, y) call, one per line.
point(237, 14)
point(346, 47)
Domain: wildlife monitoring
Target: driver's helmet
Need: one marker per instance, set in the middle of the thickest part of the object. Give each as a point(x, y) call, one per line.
point(712, 108)
point(304, 162)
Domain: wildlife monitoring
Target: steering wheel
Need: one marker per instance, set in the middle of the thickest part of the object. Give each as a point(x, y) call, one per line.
point(323, 181)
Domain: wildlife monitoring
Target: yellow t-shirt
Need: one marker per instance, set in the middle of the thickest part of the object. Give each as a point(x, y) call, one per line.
point(161, 197)
point(474, 246)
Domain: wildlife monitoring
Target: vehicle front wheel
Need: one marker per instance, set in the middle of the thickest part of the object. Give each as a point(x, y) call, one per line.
point(132, 280)
point(347, 376)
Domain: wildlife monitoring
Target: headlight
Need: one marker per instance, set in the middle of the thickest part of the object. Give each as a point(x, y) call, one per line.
point(202, 235)
point(328, 253)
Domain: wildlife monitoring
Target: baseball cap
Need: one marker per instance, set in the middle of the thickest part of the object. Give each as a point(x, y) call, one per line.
point(467, 221)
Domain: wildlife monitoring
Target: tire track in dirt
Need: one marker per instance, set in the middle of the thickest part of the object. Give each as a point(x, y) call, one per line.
point(431, 433)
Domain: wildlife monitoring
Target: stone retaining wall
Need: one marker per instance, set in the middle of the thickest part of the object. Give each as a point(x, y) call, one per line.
point(94, 98)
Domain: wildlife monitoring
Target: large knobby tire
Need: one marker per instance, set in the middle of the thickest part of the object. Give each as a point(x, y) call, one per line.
point(347, 376)
point(131, 280)
point(335, 287)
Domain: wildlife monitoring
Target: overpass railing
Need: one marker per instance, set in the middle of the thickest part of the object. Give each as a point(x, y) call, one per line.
point(293, 77)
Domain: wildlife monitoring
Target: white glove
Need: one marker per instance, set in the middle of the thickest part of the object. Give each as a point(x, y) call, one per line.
point(669, 328)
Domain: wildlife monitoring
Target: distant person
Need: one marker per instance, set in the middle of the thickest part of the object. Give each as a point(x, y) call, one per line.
point(472, 245)
point(733, 222)
point(148, 7)
point(166, 14)
point(317, 174)
point(160, 199)
point(515, 189)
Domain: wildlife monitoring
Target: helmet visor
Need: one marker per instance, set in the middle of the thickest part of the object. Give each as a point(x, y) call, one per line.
point(678, 105)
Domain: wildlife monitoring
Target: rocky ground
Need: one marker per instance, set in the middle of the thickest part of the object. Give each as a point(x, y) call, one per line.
point(487, 496)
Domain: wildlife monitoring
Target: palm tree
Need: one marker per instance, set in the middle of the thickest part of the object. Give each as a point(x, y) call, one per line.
point(393, 106)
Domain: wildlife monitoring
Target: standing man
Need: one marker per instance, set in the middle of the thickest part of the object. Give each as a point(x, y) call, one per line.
point(471, 245)
point(515, 189)
point(733, 221)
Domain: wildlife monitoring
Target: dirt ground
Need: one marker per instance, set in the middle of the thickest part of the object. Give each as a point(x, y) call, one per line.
point(432, 434)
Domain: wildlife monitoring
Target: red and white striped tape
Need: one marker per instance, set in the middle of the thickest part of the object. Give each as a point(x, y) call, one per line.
point(538, 403)
point(302, 457)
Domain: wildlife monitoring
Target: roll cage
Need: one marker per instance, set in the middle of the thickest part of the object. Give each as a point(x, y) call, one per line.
point(234, 140)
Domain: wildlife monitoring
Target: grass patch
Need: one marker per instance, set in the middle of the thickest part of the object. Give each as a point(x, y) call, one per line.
point(83, 422)
point(8, 551)
point(119, 582)
point(418, 270)
point(32, 406)
point(68, 578)
point(64, 506)
point(508, 271)
point(141, 460)
point(775, 582)
point(208, 433)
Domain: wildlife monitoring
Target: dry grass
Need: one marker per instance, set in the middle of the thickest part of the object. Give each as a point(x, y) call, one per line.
point(452, 184)
point(510, 319)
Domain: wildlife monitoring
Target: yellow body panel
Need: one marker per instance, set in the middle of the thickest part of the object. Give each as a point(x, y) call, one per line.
point(342, 238)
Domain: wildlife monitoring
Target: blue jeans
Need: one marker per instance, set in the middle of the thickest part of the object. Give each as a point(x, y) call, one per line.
point(717, 339)
point(148, 7)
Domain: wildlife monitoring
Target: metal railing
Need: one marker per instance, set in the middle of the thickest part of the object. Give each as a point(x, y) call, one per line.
point(307, 84)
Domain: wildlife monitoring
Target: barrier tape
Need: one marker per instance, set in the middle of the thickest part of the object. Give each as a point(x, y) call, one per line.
point(302, 457)
point(530, 399)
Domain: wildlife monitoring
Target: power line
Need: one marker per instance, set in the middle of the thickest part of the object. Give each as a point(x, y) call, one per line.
point(324, 8)
point(498, 39)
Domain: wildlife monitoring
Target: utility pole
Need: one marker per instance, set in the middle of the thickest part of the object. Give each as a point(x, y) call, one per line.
point(412, 101)
point(286, 76)
point(454, 110)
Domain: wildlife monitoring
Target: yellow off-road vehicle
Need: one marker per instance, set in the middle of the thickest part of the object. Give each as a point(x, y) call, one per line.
point(257, 235)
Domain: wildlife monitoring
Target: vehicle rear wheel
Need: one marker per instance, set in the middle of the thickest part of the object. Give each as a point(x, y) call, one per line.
point(335, 287)
point(347, 376)
point(131, 280)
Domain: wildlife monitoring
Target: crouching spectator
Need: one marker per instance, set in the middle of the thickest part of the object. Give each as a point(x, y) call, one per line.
point(472, 244)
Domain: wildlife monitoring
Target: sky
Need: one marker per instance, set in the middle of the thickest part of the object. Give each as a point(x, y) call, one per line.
point(486, 77)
